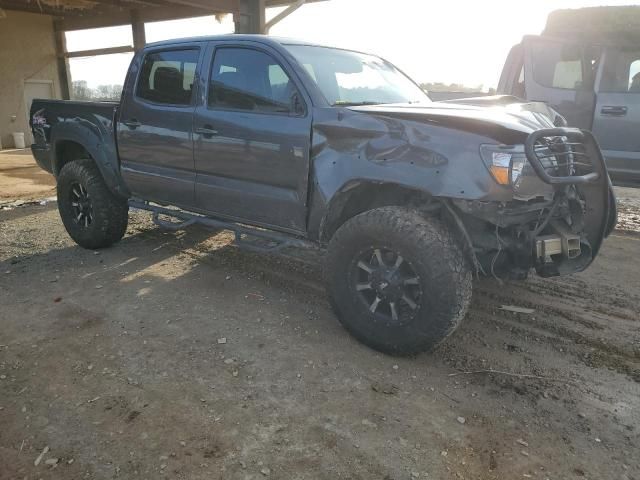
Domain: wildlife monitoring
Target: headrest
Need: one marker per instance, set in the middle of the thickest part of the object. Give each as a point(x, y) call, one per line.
point(168, 81)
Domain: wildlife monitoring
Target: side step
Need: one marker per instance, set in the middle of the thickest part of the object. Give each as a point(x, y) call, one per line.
point(265, 240)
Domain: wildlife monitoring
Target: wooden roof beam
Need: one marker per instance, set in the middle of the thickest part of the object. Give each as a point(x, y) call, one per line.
point(226, 6)
point(122, 16)
point(99, 51)
point(283, 14)
point(42, 8)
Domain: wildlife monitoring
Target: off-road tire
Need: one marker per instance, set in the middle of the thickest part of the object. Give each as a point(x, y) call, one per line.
point(109, 214)
point(443, 277)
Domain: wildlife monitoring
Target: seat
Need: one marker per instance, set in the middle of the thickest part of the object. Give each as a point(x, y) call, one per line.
point(230, 89)
point(168, 88)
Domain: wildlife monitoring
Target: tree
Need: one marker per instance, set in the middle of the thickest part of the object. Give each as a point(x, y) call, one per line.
point(81, 91)
point(108, 92)
point(452, 87)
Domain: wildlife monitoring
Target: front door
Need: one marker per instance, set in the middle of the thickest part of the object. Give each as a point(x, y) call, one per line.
point(155, 126)
point(252, 132)
point(561, 74)
point(616, 122)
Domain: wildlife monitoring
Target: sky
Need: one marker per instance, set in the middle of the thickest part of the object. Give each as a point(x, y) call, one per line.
point(454, 41)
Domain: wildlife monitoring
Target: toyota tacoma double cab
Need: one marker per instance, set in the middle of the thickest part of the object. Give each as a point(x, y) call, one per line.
point(299, 144)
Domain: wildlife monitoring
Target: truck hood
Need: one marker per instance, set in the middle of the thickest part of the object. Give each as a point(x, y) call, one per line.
point(482, 115)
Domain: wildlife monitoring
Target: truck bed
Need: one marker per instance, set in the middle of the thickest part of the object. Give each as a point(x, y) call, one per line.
point(54, 117)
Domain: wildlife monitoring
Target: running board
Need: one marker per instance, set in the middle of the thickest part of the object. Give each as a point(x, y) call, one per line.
point(167, 225)
point(275, 241)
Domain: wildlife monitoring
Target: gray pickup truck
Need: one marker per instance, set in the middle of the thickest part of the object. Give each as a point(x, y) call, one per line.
point(304, 145)
point(595, 85)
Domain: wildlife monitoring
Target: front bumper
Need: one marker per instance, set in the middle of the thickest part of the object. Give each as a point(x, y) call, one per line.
point(554, 236)
point(584, 177)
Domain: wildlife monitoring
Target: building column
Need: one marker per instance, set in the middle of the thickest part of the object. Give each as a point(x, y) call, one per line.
point(251, 17)
point(64, 76)
point(137, 29)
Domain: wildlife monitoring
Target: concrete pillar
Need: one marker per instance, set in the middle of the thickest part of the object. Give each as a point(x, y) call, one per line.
point(137, 29)
point(62, 60)
point(251, 17)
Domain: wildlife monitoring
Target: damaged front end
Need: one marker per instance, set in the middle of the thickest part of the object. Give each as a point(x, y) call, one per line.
point(562, 207)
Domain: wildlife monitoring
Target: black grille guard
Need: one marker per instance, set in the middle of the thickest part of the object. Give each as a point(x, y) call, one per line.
point(575, 138)
point(577, 148)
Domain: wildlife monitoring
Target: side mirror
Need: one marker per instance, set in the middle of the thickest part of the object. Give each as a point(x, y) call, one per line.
point(297, 105)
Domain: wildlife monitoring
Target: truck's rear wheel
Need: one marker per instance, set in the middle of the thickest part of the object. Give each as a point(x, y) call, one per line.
point(397, 280)
point(93, 216)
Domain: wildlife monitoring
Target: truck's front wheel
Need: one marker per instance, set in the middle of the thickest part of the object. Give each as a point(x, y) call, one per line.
point(93, 216)
point(397, 280)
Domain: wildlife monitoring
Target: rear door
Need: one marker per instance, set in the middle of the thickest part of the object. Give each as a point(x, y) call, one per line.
point(561, 74)
point(252, 133)
point(155, 123)
point(616, 122)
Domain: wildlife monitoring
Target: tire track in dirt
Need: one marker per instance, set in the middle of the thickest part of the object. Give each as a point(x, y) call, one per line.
point(563, 320)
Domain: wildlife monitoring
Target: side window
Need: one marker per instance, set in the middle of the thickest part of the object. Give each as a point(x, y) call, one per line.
point(557, 65)
point(621, 71)
point(167, 77)
point(246, 79)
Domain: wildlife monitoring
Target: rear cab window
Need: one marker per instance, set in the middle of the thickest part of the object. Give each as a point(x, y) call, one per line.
point(167, 77)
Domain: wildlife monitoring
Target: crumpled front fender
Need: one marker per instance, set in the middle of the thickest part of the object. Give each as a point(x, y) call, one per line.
point(438, 158)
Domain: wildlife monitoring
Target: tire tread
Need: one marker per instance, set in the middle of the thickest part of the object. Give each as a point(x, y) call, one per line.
point(428, 235)
point(109, 211)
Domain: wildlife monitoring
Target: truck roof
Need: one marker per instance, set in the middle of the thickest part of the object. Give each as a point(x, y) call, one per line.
point(609, 25)
point(266, 39)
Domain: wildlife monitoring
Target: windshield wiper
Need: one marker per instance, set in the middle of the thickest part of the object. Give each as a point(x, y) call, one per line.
point(344, 103)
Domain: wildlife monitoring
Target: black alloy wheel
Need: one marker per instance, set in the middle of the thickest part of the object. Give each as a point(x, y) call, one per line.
point(387, 284)
point(81, 205)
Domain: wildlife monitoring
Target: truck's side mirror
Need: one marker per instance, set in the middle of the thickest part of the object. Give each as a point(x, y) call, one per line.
point(297, 105)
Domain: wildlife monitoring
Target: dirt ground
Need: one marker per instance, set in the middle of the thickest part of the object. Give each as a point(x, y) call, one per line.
point(21, 178)
point(178, 356)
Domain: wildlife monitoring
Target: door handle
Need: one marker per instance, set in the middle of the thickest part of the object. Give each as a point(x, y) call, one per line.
point(206, 131)
point(132, 124)
point(614, 110)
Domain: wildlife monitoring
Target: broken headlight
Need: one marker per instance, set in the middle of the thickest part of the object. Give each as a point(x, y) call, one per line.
point(505, 162)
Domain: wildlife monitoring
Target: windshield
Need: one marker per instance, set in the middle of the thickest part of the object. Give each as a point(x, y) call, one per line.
point(352, 78)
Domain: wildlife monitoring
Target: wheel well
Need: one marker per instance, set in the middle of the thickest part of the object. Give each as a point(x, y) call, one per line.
point(68, 151)
point(361, 197)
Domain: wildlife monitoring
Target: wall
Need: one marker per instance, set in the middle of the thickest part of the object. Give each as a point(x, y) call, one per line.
point(27, 51)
